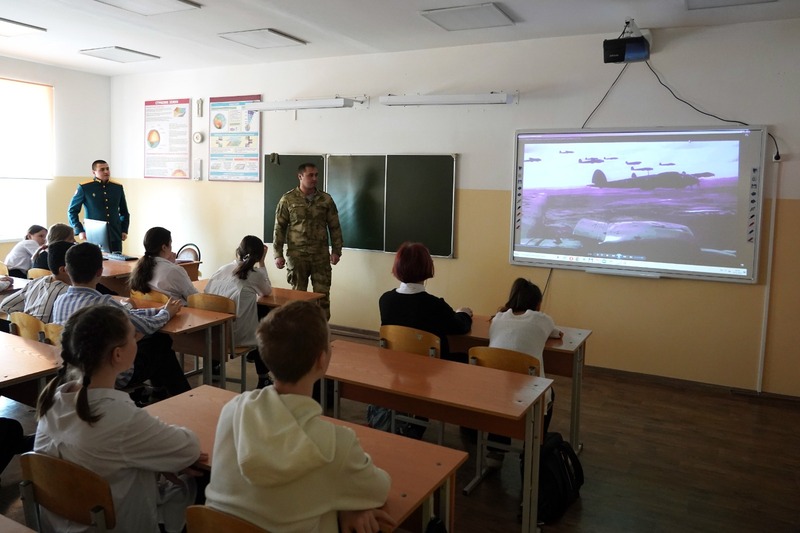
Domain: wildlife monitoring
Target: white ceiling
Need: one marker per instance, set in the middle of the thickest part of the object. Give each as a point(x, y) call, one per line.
point(189, 39)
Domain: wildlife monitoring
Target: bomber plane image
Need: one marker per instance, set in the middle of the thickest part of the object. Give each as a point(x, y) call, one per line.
point(662, 180)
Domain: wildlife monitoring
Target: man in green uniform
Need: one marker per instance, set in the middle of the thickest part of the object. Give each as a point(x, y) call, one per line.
point(304, 218)
point(103, 200)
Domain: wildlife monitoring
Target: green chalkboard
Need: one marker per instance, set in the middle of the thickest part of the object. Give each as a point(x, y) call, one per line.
point(357, 185)
point(280, 176)
point(420, 193)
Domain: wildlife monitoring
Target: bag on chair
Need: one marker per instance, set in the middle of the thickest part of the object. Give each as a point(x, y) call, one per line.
point(560, 477)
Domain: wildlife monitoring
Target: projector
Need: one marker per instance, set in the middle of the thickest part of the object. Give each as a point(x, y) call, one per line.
point(626, 50)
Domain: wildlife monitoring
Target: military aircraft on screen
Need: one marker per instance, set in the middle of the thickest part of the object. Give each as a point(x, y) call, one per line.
point(662, 180)
point(633, 162)
point(590, 160)
point(566, 152)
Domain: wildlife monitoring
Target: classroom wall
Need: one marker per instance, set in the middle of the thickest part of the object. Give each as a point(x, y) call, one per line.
point(701, 331)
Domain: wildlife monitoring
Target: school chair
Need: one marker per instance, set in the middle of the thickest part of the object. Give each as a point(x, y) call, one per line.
point(38, 273)
point(221, 304)
point(3, 269)
point(152, 296)
point(188, 252)
point(65, 489)
point(416, 341)
point(499, 359)
point(204, 519)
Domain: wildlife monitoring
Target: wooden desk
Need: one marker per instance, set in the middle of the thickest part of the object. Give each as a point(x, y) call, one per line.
point(10, 526)
point(417, 468)
point(482, 398)
point(277, 298)
point(24, 360)
point(116, 273)
point(562, 357)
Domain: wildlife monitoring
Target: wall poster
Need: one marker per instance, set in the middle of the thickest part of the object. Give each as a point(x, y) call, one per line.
point(167, 130)
point(234, 142)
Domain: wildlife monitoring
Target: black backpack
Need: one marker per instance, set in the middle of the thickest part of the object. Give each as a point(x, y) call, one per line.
point(560, 478)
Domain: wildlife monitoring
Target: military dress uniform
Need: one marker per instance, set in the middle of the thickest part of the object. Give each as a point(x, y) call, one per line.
point(303, 224)
point(103, 201)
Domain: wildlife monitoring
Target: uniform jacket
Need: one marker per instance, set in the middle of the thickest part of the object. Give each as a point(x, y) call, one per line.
point(303, 225)
point(102, 202)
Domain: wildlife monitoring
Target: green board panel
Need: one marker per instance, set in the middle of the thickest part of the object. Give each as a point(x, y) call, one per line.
point(280, 176)
point(356, 184)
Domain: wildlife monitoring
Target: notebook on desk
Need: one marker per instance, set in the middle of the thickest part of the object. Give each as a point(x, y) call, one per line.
point(117, 256)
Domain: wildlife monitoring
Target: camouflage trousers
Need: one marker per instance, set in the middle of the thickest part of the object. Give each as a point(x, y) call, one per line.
point(317, 267)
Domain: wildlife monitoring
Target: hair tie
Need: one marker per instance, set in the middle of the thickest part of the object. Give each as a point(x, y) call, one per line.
point(87, 379)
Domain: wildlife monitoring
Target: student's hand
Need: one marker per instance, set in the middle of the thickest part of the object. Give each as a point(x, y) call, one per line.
point(335, 259)
point(557, 334)
point(173, 306)
point(464, 310)
point(263, 256)
point(280, 262)
point(172, 257)
point(128, 302)
point(124, 236)
point(368, 521)
point(82, 235)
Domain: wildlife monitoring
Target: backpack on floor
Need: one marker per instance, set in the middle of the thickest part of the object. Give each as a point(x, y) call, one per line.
point(560, 477)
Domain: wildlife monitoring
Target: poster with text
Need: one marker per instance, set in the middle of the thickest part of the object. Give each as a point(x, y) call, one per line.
point(167, 131)
point(234, 143)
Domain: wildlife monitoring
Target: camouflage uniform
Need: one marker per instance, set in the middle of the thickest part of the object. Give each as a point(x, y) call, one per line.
point(303, 225)
point(102, 201)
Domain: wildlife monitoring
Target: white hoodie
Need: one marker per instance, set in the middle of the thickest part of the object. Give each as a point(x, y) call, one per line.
point(277, 464)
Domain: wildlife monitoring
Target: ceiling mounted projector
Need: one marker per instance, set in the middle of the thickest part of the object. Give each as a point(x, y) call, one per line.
point(630, 47)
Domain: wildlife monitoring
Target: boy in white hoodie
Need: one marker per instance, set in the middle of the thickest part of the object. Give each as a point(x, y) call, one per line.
point(276, 463)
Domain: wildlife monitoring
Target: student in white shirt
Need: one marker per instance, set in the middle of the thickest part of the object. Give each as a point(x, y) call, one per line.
point(156, 269)
point(91, 424)
point(20, 258)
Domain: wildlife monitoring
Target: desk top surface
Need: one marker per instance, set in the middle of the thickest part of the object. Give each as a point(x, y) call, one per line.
point(23, 359)
point(10, 526)
point(478, 389)
point(573, 337)
point(412, 480)
point(116, 269)
point(188, 319)
point(276, 298)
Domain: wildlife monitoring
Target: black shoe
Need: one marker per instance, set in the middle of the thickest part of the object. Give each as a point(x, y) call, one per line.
point(215, 368)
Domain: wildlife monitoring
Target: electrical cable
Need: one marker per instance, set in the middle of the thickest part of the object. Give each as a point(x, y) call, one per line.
point(604, 96)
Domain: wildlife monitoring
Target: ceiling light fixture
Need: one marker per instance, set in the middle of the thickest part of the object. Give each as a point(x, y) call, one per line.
point(119, 54)
point(318, 103)
point(474, 17)
point(263, 38)
point(447, 99)
point(152, 7)
point(12, 28)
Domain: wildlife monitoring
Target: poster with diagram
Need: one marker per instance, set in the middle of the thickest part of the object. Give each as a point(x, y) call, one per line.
point(167, 130)
point(234, 143)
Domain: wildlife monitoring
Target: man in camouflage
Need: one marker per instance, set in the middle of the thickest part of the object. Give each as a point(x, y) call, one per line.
point(303, 219)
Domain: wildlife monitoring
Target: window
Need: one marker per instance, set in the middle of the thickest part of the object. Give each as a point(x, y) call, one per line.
point(27, 163)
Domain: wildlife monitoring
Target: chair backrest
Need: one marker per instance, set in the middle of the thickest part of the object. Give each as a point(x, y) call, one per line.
point(28, 327)
point(65, 489)
point(204, 519)
point(212, 302)
point(52, 333)
point(502, 359)
point(189, 251)
point(3, 269)
point(410, 340)
point(153, 296)
point(38, 273)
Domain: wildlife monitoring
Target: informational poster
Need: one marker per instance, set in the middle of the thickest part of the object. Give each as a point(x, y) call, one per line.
point(234, 143)
point(167, 131)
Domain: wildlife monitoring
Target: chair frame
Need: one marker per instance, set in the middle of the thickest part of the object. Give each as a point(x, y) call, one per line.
point(204, 519)
point(189, 246)
point(66, 489)
point(30, 327)
point(509, 361)
point(3, 269)
point(415, 341)
point(223, 304)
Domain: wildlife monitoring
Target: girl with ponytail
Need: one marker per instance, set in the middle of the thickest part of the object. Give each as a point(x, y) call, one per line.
point(156, 269)
point(244, 281)
point(90, 423)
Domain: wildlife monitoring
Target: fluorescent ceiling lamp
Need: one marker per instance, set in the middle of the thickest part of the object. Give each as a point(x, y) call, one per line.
point(319, 103)
point(468, 17)
point(12, 28)
point(152, 7)
point(706, 4)
point(263, 38)
point(447, 99)
point(119, 54)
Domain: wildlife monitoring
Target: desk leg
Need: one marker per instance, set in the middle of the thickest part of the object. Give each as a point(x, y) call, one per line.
point(207, 359)
point(323, 395)
point(575, 410)
point(530, 482)
point(427, 511)
point(223, 357)
point(336, 399)
point(447, 500)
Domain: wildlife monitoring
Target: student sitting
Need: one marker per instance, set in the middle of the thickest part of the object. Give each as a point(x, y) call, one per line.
point(243, 281)
point(156, 360)
point(90, 424)
point(156, 269)
point(276, 462)
point(57, 233)
point(20, 259)
point(38, 297)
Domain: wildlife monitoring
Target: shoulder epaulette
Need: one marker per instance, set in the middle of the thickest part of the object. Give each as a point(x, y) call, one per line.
point(87, 182)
